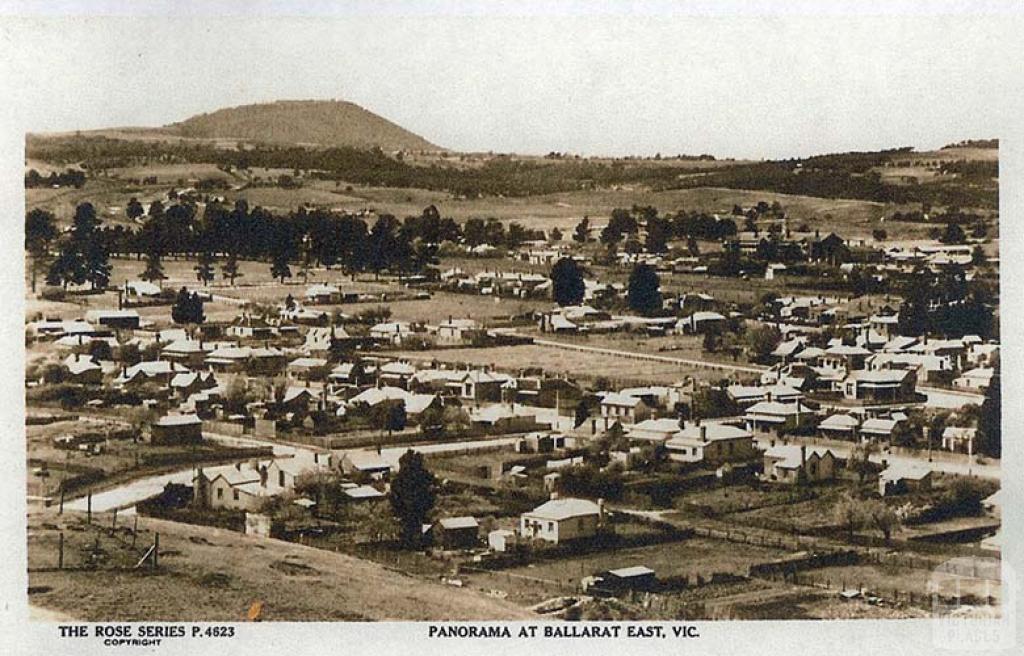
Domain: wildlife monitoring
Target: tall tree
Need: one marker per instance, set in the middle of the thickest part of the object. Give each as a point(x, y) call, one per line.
point(990, 431)
point(658, 232)
point(412, 497)
point(40, 232)
point(67, 268)
point(134, 209)
point(84, 224)
point(567, 286)
point(581, 234)
point(279, 266)
point(187, 308)
point(204, 267)
point(154, 271)
point(644, 291)
point(97, 264)
point(953, 234)
point(229, 269)
point(383, 243)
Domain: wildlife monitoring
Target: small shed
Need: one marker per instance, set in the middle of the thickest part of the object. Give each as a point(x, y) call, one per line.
point(502, 540)
point(177, 429)
point(457, 532)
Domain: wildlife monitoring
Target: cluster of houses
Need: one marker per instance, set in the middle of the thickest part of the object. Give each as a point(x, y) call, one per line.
point(585, 319)
point(185, 372)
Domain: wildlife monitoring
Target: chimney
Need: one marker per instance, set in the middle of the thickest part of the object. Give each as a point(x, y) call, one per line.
point(554, 495)
point(703, 433)
point(803, 455)
point(600, 510)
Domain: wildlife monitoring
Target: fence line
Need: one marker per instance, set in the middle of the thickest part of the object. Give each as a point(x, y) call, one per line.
point(629, 355)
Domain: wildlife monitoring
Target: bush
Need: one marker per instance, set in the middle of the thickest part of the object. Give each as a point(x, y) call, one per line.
point(52, 294)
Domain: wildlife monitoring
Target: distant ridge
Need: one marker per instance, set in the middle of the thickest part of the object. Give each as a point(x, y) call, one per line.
point(319, 122)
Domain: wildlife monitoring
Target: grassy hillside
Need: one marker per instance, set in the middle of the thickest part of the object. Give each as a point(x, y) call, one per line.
point(211, 574)
point(326, 123)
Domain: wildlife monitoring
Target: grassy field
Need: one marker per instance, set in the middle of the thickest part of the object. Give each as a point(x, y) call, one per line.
point(171, 173)
point(554, 360)
point(209, 574)
point(120, 460)
point(684, 558)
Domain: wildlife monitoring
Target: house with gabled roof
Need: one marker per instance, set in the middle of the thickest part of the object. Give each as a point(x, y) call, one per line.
point(710, 443)
point(778, 418)
point(791, 464)
point(82, 369)
point(621, 408)
point(562, 520)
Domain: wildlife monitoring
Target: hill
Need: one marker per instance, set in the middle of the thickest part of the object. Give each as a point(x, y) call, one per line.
point(320, 122)
point(209, 574)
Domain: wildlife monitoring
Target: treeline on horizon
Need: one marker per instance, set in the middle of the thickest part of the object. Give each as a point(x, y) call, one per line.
point(842, 175)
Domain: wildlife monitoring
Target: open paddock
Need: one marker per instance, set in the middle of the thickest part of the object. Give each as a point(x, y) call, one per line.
point(562, 361)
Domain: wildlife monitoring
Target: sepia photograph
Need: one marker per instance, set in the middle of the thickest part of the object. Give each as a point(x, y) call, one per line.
point(650, 319)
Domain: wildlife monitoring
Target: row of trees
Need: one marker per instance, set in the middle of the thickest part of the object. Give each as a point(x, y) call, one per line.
point(69, 178)
point(315, 237)
point(82, 255)
point(946, 303)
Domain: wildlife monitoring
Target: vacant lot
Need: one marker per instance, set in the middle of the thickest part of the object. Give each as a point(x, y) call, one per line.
point(589, 366)
point(210, 574)
point(696, 556)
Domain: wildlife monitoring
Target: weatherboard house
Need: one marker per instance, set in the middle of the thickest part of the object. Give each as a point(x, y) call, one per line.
point(562, 520)
point(177, 429)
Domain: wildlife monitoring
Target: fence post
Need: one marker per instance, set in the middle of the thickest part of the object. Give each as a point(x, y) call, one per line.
point(156, 551)
point(135, 530)
point(60, 510)
point(113, 522)
point(60, 548)
point(88, 508)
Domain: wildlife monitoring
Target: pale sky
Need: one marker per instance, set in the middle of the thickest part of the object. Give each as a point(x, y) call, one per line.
point(668, 82)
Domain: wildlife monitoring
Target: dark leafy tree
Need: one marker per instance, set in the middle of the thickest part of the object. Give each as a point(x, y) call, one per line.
point(567, 286)
point(40, 233)
point(229, 269)
point(953, 234)
point(581, 234)
point(134, 209)
point(97, 264)
point(990, 431)
point(279, 266)
point(154, 271)
point(187, 308)
point(68, 268)
point(658, 232)
point(204, 267)
point(644, 291)
point(412, 497)
point(762, 340)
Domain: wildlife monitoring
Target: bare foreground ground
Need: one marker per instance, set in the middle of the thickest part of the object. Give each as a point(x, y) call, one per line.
point(208, 574)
